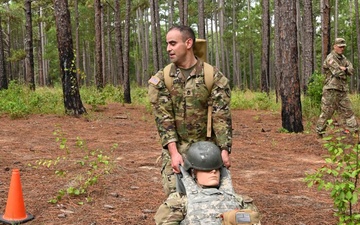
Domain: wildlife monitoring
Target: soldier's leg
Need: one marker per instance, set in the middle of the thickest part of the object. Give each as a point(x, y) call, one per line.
point(172, 211)
point(328, 106)
point(167, 174)
point(346, 111)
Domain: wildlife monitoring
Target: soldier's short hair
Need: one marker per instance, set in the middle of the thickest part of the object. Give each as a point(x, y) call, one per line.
point(186, 31)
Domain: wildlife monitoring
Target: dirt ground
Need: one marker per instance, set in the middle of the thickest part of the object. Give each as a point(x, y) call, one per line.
point(267, 165)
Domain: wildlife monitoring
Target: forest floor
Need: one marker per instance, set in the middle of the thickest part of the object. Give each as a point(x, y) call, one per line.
point(267, 165)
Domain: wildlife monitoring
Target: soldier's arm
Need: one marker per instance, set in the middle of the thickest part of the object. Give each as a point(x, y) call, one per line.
point(335, 68)
point(160, 100)
point(221, 115)
point(349, 68)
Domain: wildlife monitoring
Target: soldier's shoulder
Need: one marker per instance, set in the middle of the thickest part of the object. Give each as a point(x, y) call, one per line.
point(156, 78)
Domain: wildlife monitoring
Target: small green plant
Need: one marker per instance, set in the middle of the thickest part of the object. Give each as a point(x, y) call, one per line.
point(283, 130)
point(78, 168)
point(340, 176)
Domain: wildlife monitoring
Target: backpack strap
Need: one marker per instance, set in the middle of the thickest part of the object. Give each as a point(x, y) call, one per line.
point(209, 82)
point(208, 76)
point(167, 79)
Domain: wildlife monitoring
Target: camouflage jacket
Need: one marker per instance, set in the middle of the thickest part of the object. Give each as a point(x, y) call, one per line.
point(181, 113)
point(204, 205)
point(335, 77)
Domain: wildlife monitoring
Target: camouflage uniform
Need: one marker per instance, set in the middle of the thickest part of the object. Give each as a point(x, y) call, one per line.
point(181, 114)
point(202, 206)
point(335, 92)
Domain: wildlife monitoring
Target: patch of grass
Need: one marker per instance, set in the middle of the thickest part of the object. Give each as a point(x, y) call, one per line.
point(253, 100)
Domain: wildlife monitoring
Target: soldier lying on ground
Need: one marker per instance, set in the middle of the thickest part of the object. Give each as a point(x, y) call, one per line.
point(205, 194)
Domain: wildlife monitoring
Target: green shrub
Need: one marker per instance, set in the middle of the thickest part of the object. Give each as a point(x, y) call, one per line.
point(312, 100)
point(339, 176)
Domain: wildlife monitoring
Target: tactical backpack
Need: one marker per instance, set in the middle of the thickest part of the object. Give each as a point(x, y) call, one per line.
point(200, 52)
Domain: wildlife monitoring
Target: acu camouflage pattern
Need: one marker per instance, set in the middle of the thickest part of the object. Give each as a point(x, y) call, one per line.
point(202, 206)
point(334, 96)
point(205, 205)
point(181, 113)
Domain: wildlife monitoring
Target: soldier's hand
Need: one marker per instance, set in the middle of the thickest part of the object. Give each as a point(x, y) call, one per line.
point(176, 158)
point(226, 158)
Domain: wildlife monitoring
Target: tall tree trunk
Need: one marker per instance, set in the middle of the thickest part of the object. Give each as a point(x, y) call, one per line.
point(201, 19)
point(40, 51)
point(103, 48)
point(325, 27)
point(118, 44)
point(171, 13)
point(141, 43)
point(98, 46)
point(234, 47)
point(29, 60)
point(336, 20)
point(127, 97)
point(154, 36)
point(265, 53)
point(251, 51)
point(3, 76)
point(308, 44)
point(109, 58)
point(221, 35)
point(291, 112)
point(357, 22)
point(71, 93)
point(158, 34)
point(186, 12)
point(77, 44)
point(9, 45)
point(181, 12)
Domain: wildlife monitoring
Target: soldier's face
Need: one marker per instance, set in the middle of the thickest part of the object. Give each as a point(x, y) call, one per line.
point(177, 48)
point(208, 178)
point(339, 50)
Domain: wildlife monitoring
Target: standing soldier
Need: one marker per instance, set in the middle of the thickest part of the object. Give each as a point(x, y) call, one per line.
point(181, 108)
point(335, 91)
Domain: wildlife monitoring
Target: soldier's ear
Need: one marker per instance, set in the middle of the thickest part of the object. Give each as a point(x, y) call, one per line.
point(189, 43)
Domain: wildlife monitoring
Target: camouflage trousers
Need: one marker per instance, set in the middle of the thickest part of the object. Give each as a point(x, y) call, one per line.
point(173, 210)
point(334, 100)
point(167, 174)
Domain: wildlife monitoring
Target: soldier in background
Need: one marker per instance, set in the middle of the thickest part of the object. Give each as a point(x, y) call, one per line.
point(181, 111)
point(207, 195)
point(335, 91)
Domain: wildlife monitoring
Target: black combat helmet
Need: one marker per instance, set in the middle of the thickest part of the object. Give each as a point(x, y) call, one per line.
point(203, 155)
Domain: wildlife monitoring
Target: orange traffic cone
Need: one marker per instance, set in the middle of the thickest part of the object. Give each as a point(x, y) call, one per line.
point(15, 208)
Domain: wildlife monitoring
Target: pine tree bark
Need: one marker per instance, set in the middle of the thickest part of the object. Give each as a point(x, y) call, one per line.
point(308, 44)
point(98, 46)
point(29, 59)
point(357, 22)
point(325, 27)
point(127, 96)
point(72, 101)
point(291, 112)
point(3, 76)
point(118, 45)
point(201, 19)
point(265, 53)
